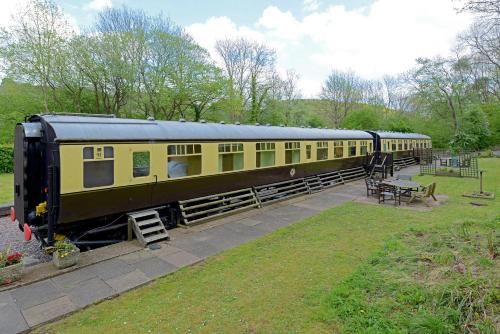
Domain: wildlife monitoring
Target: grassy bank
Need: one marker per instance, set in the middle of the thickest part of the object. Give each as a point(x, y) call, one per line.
point(6, 188)
point(299, 278)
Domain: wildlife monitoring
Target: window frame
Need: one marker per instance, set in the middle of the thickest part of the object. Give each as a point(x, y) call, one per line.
point(321, 146)
point(335, 145)
point(293, 146)
point(232, 148)
point(268, 147)
point(95, 158)
point(350, 146)
point(184, 153)
point(133, 161)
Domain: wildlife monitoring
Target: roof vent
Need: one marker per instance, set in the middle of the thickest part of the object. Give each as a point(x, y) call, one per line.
point(182, 120)
point(268, 124)
point(222, 122)
point(202, 121)
point(302, 126)
point(150, 118)
point(237, 123)
point(257, 124)
point(282, 125)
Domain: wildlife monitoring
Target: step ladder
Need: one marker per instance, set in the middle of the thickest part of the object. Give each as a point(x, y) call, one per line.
point(314, 184)
point(147, 227)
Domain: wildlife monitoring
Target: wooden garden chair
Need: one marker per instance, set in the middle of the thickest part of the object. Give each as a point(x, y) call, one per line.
point(388, 192)
point(371, 186)
point(424, 194)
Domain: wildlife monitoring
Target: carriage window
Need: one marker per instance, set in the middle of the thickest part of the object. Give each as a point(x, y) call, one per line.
point(230, 157)
point(393, 145)
point(370, 147)
point(292, 152)
point(184, 160)
point(406, 145)
point(308, 152)
point(265, 155)
point(411, 145)
point(338, 149)
point(322, 150)
point(351, 146)
point(363, 148)
point(88, 153)
point(108, 152)
point(140, 162)
point(400, 145)
point(98, 171)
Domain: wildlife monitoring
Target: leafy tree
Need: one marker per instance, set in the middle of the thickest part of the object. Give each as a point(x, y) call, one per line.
point(365, 118)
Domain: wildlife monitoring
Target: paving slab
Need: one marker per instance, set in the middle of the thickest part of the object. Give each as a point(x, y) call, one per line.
point(180, 259)
point(72, 279)
point(35, 294)
point(205, 250)
point(11, 319)
point(110, 268)
point(89, 292)
point(128, 281)
point(44, 312)
point(154, 267)
point(249, 221)
point(139, 256)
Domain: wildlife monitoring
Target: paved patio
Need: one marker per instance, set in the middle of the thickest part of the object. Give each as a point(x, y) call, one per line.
point(24, 307)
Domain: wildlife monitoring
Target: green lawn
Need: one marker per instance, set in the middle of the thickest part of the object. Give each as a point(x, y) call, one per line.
point(6, 188)
point(344, 270)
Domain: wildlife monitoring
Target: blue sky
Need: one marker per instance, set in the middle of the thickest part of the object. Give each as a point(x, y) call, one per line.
point(191, 11)
point(312, 37)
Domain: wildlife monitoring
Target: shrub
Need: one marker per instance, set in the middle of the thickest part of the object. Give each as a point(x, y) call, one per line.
point(6, 159)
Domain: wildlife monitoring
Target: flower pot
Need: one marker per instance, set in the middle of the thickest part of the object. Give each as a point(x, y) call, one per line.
point(65, 260)
point(11, 273)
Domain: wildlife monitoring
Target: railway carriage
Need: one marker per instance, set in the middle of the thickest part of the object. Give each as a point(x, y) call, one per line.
point(401, 144)
point(77, 173)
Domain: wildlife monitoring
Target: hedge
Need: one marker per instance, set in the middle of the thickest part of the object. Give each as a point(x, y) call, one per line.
point(6, 159)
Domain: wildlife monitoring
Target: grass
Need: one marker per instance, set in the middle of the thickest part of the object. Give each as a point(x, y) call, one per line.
point(6, 188)
point(353, 268)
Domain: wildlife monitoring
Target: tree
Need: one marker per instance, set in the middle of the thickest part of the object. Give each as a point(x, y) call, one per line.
point(443, 85)
point(30, 44)
point(249, 67)
point(342, 90)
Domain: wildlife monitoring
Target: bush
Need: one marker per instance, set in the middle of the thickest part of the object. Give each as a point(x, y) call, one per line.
point(6, 159)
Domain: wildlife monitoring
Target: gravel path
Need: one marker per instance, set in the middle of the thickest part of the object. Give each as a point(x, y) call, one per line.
point(10, 235)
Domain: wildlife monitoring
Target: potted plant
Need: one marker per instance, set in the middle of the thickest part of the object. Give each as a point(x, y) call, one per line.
point(11, 266)
point(65, 254)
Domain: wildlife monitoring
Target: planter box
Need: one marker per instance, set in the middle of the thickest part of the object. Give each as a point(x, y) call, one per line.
point(67, 261)
point(455, 174)
point(11, 273)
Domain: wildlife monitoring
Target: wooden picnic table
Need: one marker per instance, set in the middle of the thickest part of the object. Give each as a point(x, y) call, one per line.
point(405, 186)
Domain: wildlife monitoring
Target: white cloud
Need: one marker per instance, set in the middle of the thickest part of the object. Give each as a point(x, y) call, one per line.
point(383, 38)
point(310, 5)
point(98, 5)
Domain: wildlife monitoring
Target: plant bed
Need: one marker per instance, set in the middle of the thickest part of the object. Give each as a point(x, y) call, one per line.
point(448, 173)
point(477, 194)
point(11, 266)
point(65, 255)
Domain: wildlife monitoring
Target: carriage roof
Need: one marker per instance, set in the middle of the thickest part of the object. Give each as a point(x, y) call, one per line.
point(87, 128)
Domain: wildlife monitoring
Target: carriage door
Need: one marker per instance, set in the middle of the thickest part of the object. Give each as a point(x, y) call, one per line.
point(28, 174)
point(143, 176)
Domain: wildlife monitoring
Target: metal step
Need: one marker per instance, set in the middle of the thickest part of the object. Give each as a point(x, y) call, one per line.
point(314, 184)
point(147, 226)
point(279, 191)
point(204, 208)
